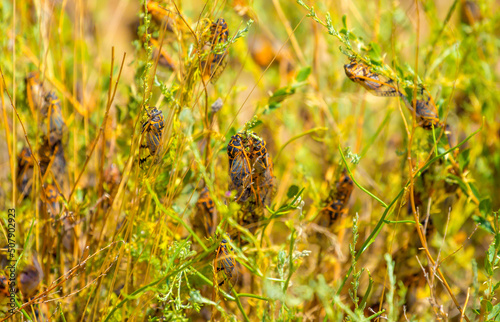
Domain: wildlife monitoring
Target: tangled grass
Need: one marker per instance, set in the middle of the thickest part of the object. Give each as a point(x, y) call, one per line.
point(250, 160)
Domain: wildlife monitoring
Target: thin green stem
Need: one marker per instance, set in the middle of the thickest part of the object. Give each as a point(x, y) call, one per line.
point(356, 183)
point(316, 129)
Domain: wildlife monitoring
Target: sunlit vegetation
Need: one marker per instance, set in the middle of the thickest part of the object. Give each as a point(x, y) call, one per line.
point(250, 160)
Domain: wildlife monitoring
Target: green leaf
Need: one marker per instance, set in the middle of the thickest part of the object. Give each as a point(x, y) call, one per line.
point(485, 207)
point(474, 191)
point(483, 223)
point(303, 74)
point(375, 52)
point(494, 313)
point(463, 159)
point(459, 181)
point(255, 124)
point(344, 21)
point(292, 191)
point(496, 286)
point(489, 306)
point(487, 264)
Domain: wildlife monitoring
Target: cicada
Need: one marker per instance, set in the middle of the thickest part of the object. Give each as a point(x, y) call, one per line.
point(263, 178)
point(251, 172)
point(234, 147)
point(337, 206)
point(34, 92)
point(225, 260)
point(54, 154)
point(30, 278)
point(239, 168)
point(4, 287)
point(153, 128)
point(206, 214)
point(52, 112)
point(25, 164)
point(376, 84)
point(426, 111)
point(217, 62)
point(50, 198)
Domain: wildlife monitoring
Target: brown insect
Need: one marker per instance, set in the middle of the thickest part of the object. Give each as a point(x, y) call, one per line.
point(206, 215)
point(153, 129)
point(426, 110)
point(376, 84)
point(4, 287)
point(50, 196)
point(54, 119)
point(263, 50)
point(30, 278)
point(25, 164)
point(251, 172)
point(263, 177)
point(225, 260)
point(337, 204)
point(34, 92)
point(239, 168)
point(216, 62)
point(47, 153)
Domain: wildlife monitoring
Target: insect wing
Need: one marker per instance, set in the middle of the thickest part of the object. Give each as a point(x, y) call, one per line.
point(344, 188)
point(226, 263)
point(217, 65)
point(376, 84)
point(426, 111)
point(206, 212)
point(153, 139)
point(217, 62)
point(56, 126)
point(241, 177)
point(219, 31)
point(234, 148)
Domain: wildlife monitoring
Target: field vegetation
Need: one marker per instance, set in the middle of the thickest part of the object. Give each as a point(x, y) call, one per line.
point(250, 160)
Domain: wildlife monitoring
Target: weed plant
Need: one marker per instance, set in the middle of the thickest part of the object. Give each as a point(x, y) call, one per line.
point(267, 185)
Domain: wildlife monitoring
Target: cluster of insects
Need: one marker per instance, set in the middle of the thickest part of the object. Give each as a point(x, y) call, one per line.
point(46, 106)
point(252, 184)
point(252, 180)
point(251, 173)
point(213, 38)
point(379, 85)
